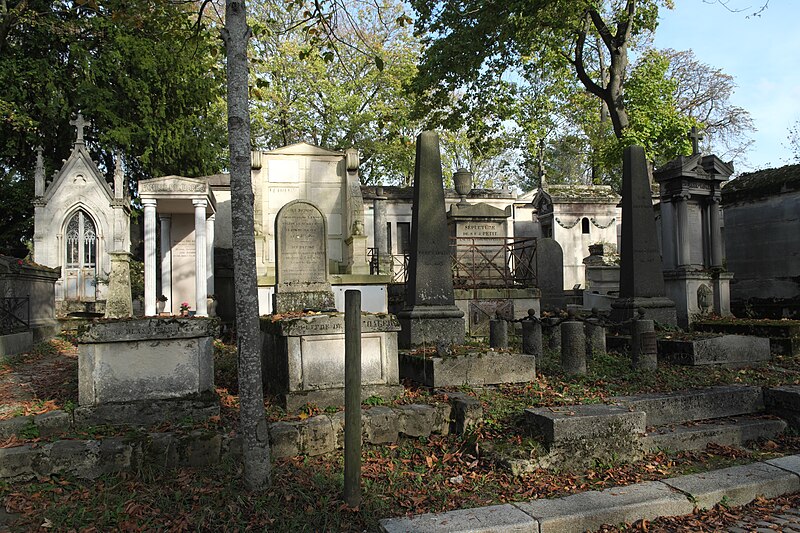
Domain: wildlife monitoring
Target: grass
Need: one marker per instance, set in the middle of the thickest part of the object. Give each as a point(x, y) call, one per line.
point(412, 476)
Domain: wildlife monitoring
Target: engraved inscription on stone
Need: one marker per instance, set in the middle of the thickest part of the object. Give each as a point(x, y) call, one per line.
point(300, 232)
point(479, 229)
point(184, 248)
point(649, 342)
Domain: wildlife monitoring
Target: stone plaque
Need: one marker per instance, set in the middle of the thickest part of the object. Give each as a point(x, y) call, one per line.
point(301, 243)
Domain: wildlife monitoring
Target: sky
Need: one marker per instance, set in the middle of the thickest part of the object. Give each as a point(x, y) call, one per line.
point(761, 53)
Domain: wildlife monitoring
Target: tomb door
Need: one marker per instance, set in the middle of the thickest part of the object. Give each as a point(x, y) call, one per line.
point(81, 258)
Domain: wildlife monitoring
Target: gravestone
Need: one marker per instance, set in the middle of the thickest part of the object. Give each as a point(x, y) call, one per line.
point(430, 315)
point(549, 259)
point(119, 303)
point(641, 279)
point(301, 262)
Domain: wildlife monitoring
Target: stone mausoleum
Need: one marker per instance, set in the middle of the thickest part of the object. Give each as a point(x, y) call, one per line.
point(79, 221)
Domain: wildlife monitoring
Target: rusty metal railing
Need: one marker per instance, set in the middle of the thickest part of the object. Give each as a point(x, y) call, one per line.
point(491, 262)
point(15, 313)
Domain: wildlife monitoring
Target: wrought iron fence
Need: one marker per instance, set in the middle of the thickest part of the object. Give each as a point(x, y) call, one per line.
point(476, 262)
point(489, 262)
point(15, 313)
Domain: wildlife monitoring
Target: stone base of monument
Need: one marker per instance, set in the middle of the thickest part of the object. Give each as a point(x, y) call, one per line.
point(697, 293)
point(303, 359)
point(145, 360)
point(659, 308)
point(431, 325)
point(725, 350)
point(473, 369)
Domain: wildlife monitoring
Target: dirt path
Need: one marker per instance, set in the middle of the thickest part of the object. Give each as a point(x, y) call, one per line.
point(42, 380)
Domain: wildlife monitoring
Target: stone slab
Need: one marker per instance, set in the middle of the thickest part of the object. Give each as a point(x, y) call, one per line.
point(726, 432)
point(579, 435)
point(16, 343)
point(785, 403)
point(421, 331)
point(590, 510)
point(790, 463)
point(327, 323)
point(147, 329)
point(728, 350)
point(739, 485)
point(699, 404)
point(475, 369)
point(496, 518)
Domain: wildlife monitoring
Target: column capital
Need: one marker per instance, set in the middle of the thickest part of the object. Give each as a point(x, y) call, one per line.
point(149, 202)
point(164, 216)
point(212, 217)
point(200, 202)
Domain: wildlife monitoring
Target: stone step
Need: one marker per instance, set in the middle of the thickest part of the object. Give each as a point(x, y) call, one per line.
point(733, 431)
point(700, 404)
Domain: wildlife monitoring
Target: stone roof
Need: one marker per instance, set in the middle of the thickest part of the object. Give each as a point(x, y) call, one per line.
point(768, 182)
point(582, 193)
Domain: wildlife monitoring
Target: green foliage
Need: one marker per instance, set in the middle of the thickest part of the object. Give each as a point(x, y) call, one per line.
point(226, 368)
point(139, 70)
point(336, 98)
point(137, 279)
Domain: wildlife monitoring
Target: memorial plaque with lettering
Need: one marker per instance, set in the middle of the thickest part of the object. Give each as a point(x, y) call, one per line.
point(301, 261)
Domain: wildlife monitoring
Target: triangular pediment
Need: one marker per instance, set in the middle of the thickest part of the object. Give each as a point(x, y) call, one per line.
point(79, 170)
point(304, 148)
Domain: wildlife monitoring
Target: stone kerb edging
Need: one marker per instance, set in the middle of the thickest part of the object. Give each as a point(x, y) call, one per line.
point(313, 436)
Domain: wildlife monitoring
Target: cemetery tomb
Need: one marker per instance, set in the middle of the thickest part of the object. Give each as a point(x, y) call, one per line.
point(79, 220)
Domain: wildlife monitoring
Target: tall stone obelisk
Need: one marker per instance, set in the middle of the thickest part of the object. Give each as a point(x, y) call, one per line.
point(430, 315)
point(641, 281)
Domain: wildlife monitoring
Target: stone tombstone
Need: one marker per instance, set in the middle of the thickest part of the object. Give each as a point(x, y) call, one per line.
point(430, 314)
point(550, 273)
point(641, 278)
point(301, 266)
point(119, 303)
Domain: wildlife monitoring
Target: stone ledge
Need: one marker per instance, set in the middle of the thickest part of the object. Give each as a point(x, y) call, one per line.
point(500, 518)
point(739, 485)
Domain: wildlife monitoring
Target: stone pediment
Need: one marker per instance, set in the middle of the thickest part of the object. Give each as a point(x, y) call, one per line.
point(478, 211)
point(166, 185)
point(695, 166)
point(306, 149)
point(80, 170)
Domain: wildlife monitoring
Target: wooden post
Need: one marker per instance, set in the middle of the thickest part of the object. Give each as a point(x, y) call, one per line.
point(352, 398)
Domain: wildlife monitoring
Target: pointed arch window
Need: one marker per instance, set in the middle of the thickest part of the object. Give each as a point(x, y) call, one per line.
point(81, 242)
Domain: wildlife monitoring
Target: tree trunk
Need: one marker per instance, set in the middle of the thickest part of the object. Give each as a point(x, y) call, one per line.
point(253, 424)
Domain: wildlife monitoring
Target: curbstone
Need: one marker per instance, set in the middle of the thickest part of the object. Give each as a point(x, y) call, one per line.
point(202, 448)
point(14, 426)
point(317, 436)
point(53, 423)
point(416, 420)
point(739, 485)
point(790, 463)
point(161, 449)
point(496, 518)
point(590, 510)
point(115, 455)
point(379, 425)
point(284, 440)
point(17, 464)
point(466, 412)
point(76, 457)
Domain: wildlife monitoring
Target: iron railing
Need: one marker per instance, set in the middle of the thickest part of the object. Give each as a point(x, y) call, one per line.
point(477, 262)
point(491, 262)
point(15, 314)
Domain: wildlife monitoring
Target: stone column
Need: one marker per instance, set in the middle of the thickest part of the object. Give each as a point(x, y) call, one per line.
point(380, 232)
point(149, 205)
point(166, 258)
point(715, 233)
point(498, 333)
point(668, 235)
point(683, 229)
point(200, 279)
point(532, 335)
point(644, 346)
point(573, 348)
point(210, 254)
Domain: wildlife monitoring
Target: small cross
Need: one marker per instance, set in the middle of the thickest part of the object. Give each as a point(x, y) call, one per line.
point(79, 123)
point(695, 136)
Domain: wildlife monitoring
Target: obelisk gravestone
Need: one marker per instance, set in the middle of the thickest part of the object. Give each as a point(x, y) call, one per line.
point(430, 314)
point(641, 279)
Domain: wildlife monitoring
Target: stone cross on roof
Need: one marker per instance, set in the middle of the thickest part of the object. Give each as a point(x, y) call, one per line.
point(695, 136)
point(79, 124)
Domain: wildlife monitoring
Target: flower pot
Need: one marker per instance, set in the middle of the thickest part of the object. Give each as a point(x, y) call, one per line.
point(160, 306)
